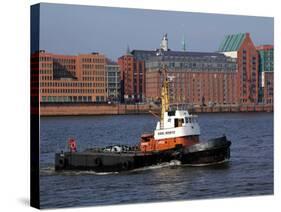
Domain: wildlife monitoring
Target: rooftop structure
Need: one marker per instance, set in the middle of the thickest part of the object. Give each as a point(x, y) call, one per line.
point(193, 61)
point(164, 43)
point(241, 46)
point(232, 42)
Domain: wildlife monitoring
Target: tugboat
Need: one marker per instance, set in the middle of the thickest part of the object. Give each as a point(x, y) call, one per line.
point(176, 137)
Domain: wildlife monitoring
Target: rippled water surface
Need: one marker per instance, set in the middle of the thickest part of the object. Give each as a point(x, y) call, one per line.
point(250, 171)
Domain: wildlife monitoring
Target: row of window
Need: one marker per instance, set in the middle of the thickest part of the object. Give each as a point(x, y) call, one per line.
point(46, 65)
point(64, 67)
point(92, 66)
point(45, 59)
point(113, 80)
point(64, 61)
point(112, 68)
point(66, 98)
point(113, 74)
point(45, 71)
point(195, 66)
point(113, 91)
point(93, 72)
point(68, 84)
point(69, 91)
point(70, 61)
point(188, 59)
point(45, 77)
point(93, 79)
point(71, 85)
point(92, 60)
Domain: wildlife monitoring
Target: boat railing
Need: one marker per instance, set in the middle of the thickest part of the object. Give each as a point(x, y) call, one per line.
point(115, 148)
point(180, 106)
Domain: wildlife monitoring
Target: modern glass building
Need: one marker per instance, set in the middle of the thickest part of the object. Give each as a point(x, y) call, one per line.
point(113, 81)
point(266, 73)
point(67, 78)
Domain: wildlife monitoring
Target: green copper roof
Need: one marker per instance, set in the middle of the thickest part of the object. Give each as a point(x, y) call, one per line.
point(232, 42)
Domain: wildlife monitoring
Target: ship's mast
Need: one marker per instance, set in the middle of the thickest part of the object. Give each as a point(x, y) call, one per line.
point(165, 101)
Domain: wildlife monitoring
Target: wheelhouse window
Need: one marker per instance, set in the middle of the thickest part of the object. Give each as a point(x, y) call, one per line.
point(179, 122)
point(190, 120)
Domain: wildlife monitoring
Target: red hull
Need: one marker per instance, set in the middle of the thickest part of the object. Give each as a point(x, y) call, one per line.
point(149, 144)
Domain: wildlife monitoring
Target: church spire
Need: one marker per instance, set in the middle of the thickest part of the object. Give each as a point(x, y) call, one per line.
point(183, 43)
point(128, 52)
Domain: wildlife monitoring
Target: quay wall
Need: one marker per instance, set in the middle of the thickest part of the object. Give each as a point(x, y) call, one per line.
point(86, 109)
point(122, 109)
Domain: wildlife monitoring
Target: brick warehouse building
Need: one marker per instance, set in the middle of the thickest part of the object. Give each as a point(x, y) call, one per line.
point(198, 78)
point(64, 78)
point(132, 75)
point(241, 81)
point(241, 47)
point(266, 73)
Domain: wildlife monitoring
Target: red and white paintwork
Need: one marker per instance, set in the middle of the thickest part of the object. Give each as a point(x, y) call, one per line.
point(177, 128)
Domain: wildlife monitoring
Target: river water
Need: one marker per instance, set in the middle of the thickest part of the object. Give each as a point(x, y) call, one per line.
point(249, 172)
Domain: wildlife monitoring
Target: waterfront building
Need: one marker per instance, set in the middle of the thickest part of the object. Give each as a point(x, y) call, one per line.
point(132, 75)
point(65, 78)
point(266, 73)
point(241, 47)
point(229, 76)
point(198, 78)
point(113, 81)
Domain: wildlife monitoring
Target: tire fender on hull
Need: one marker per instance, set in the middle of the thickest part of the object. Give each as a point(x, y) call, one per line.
point(98, 162)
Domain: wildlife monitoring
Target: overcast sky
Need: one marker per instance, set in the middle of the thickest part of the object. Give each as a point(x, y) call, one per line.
point(72, 29)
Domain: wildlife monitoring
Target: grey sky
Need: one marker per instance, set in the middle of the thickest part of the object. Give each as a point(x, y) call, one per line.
point(72, 29)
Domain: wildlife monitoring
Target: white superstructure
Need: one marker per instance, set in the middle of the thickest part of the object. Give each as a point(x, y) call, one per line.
point(178, 123)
